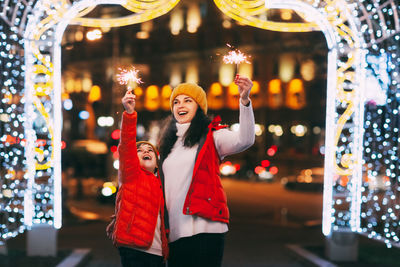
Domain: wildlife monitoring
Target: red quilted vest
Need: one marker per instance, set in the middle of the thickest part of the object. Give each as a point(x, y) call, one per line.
point(140, 197)
point(206, 197)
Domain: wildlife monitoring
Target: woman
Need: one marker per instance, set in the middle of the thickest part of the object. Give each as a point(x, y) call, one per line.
point(191, 149)
point(138, 228)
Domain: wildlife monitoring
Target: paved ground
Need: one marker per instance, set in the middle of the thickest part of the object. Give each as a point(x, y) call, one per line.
point(265, 219)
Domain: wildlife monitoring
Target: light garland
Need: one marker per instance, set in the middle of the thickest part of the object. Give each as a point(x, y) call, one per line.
point(42, 46)
point(12, 138)
point(352, 22)
point(144, 10)
point(344, 121)
point(354, 30)
point(248, 11)
point(381, 184)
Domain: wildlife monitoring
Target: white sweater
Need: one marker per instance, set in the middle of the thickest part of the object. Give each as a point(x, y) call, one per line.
point(178, 170)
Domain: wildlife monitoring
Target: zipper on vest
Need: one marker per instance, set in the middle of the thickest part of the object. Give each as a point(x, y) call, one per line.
point(190, 197)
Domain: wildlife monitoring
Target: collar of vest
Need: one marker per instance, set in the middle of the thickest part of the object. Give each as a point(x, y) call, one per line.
point(215, 124)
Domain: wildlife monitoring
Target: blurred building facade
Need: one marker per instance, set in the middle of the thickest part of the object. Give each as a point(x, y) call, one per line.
point(187, 45)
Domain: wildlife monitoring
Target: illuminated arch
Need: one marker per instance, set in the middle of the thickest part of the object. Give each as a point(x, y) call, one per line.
point(43, 36)
point(36, 27)
point(353, 30)
point(344, 122)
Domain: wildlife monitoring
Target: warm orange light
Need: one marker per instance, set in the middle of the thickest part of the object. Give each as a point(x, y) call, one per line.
point(216, 89)
point(233, 89)
point(215, 96)
point(166, 91)
point(256, 97)
point(295, 96)
point(94, 94)
point(152, 101)
point(275, 97)
point(344, 181)
point(142, 35)
point(286, 14)
point(138, 91)
point(233, 96)
point(275, 86)
point(64, 96)
point(256, 88)
point(296, 86)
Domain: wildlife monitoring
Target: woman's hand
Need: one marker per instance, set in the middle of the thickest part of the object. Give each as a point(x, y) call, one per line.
point(129, 101)
point(245, 85)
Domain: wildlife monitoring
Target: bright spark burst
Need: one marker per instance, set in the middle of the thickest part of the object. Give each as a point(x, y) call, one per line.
point(235, 57)
point(126, 76)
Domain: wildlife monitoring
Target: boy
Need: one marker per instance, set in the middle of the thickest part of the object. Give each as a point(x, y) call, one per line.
point(138, 229)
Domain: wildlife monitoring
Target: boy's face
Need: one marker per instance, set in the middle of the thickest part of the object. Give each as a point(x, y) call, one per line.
point(147, 157)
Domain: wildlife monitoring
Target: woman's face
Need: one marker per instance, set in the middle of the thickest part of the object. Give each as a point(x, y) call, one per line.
point(184, 108)
point(147, 157)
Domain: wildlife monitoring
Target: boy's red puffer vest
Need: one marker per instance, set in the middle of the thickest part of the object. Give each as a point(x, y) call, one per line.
point(140, 197)
point(206, 197)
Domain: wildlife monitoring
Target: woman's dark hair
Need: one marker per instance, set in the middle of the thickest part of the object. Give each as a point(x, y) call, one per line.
point(167, 137)
point(198, 128)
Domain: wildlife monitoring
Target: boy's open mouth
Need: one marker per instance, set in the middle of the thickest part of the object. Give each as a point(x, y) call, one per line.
point(147, 157)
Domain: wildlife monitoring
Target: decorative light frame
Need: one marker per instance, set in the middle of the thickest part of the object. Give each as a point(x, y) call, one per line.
point(350, 31)
point(40, 27)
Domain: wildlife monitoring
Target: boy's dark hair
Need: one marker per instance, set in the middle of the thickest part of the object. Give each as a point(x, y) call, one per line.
point(198, 128)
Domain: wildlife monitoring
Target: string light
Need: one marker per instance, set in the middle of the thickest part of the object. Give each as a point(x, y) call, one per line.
point(381, 169)
point(144, 10)
point(12, 136)
point(248, 12)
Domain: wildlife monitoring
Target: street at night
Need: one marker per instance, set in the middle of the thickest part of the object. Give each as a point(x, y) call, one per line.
point(199, 133)
point(266, 219)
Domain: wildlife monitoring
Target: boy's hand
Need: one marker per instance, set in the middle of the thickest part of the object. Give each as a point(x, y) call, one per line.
point(129, 101)
point(245, 85)
point(110, 227)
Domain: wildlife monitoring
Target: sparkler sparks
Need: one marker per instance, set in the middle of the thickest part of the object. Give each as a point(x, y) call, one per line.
point(128, 76)
point(235, 57)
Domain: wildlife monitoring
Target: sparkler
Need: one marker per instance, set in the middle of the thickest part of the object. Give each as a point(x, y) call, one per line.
point(128, 77)
point(235, 57)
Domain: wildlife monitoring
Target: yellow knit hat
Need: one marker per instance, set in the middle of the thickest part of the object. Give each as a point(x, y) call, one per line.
point(192, 90)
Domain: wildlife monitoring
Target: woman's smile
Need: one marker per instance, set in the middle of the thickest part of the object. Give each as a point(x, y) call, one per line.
point(184, 108)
